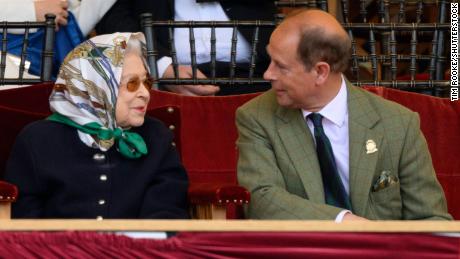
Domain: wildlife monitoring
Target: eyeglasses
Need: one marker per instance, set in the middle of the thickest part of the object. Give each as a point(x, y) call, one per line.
point(134, 82)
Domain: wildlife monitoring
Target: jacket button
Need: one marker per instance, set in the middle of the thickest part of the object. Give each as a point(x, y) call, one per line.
point(103, 177)
point(101, 202)
point(98, 157)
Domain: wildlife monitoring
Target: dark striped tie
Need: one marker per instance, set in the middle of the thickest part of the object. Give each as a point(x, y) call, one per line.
point(334, 191)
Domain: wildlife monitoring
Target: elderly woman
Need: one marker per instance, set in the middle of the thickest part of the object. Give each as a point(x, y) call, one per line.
point(97, 155)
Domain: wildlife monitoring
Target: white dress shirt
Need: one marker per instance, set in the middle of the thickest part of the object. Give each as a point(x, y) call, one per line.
point(189, 10)
point(335, 124)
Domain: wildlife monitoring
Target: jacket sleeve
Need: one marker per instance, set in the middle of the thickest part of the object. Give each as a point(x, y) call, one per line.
point(20, 170)
point(166, 197)
point(422, 195)
point(259, 173)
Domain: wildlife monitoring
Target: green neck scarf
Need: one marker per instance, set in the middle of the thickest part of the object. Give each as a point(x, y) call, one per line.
point(130, 144)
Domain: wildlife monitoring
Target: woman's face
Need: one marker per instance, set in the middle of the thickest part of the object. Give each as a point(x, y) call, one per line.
point(133, 95)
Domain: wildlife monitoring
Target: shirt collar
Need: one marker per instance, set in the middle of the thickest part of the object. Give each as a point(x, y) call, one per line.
point(336, 110)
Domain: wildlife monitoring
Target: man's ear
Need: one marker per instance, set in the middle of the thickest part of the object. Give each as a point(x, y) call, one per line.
point(322, 72)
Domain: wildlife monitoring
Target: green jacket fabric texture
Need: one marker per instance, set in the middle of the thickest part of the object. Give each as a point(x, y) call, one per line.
point(279, 166)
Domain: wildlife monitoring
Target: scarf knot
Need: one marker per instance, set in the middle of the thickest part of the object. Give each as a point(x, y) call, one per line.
point(129, 144)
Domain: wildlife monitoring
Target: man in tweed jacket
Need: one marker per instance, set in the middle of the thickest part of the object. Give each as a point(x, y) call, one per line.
point(381, 155)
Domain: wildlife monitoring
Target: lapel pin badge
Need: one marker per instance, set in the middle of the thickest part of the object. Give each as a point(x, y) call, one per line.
point(371, 147)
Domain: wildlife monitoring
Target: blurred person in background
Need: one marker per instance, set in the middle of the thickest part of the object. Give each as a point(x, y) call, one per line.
point(124, 16)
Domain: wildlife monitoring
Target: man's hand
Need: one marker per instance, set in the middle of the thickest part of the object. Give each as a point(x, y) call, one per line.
point(351, 216)
point(192, 90)
point(56, 7)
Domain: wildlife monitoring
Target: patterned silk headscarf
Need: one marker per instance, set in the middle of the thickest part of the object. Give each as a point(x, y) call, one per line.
point(86, 92)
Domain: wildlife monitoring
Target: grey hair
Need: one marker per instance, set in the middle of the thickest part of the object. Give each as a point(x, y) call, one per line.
point(136, 44)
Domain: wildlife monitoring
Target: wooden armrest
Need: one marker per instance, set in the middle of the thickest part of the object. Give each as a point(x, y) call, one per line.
point(8, 194)
point(216, 201)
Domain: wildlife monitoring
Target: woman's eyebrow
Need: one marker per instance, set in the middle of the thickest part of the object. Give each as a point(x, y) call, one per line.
point(130, 76)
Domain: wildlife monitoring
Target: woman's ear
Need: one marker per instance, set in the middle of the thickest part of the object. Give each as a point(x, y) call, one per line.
point(322, 72)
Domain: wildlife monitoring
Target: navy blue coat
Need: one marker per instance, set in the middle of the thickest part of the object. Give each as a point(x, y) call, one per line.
point(58, 176)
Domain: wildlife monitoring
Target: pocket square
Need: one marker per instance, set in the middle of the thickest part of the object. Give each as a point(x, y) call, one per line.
point(385, 180)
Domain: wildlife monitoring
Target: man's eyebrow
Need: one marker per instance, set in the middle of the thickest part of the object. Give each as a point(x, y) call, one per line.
point(277, 62)
point(280, 64)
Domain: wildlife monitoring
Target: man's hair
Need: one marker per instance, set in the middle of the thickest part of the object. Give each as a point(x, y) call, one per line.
point(316, 45)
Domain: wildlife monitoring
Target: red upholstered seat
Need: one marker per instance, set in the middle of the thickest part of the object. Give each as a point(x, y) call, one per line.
point(8, 192)
point(208, 133)
point(19, 107)
point(208, 151)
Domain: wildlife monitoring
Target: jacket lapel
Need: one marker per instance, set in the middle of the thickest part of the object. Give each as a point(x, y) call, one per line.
point(361, 119)
point(300, 148)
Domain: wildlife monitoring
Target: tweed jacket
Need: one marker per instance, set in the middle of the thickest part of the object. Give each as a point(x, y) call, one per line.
point(278, 162)
point(60, 177)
